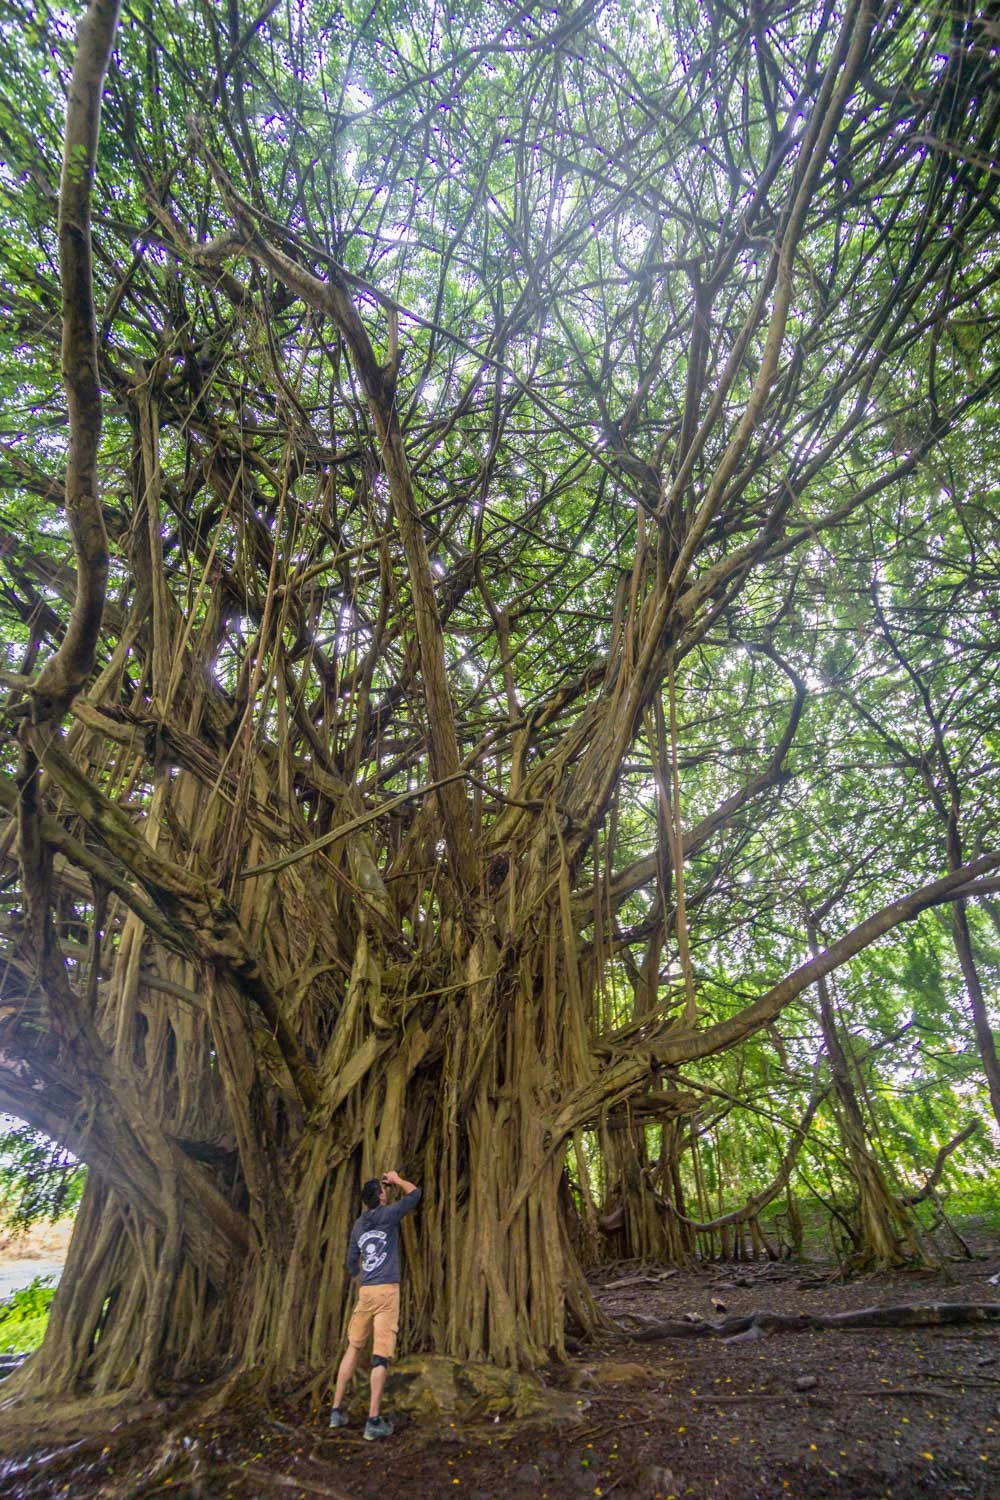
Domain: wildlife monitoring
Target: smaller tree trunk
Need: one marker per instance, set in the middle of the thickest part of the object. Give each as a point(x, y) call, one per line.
point(887, 1235)
point(985, 1039)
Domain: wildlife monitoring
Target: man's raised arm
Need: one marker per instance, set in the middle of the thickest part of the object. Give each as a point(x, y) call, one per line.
point(412, 1198)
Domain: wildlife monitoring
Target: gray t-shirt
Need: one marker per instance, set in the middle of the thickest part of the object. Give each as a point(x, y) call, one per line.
point(374, 1245)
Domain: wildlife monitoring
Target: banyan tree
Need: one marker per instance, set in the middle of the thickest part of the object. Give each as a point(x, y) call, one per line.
point(438, 453)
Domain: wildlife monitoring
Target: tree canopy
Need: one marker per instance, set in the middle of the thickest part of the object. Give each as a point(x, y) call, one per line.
point(498, 573)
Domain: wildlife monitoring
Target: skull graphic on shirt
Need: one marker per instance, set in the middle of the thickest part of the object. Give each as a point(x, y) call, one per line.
point(372, 1245)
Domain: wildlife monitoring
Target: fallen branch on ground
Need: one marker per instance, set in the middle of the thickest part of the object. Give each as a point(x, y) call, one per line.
point(616, 1286)
point(755, 1325)
point(311, 1487)
point(814, 1392)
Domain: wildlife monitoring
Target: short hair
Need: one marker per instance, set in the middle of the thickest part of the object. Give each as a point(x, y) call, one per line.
point(371, 1192)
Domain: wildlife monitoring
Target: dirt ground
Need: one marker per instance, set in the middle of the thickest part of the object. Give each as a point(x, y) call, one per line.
point(850, 1413)
point(38, 1251)
point(43, 1241)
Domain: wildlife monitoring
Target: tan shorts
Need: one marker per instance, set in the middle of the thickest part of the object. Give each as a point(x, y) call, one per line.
point(377, 1306)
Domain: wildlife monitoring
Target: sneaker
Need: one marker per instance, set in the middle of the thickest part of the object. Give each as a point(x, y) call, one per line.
point(339, 1418)
point(377, 1427)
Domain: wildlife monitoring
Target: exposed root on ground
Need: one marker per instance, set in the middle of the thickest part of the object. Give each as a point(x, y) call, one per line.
point(757, 1324)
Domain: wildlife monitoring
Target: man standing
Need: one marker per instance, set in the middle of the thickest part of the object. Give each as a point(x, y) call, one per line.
point(373, 1259)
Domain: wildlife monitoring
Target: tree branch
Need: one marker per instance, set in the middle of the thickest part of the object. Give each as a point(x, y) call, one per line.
point(65, 673)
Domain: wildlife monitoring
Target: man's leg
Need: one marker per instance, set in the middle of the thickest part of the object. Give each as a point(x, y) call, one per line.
point(378, 1383)
point(344, 1374)
point(386, 1326)
point(358, 1332)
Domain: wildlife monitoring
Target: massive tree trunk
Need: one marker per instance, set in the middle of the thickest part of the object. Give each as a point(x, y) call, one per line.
point(231, 1104)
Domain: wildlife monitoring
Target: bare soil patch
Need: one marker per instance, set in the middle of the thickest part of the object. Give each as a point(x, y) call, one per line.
point(40, 1242)
point(851, 1413)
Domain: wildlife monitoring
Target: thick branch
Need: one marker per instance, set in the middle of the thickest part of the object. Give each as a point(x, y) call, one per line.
point(676, 1046)
point(642, 871)
point(210, 922)
point(66, 672)
point(759, 1201)
point(935, 1173)
point(69, 1090)
point(379, 385)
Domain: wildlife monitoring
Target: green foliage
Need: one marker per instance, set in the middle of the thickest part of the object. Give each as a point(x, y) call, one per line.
point(38, 1179)
point(977, 1203)
point(24, 1315)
